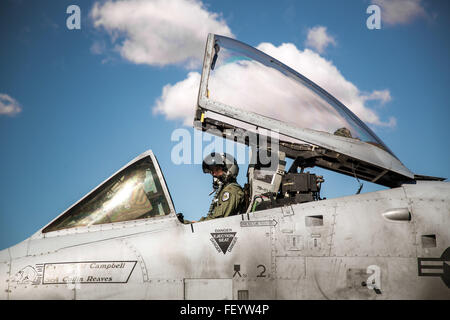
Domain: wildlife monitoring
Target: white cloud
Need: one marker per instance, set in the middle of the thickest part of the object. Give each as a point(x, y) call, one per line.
point(178, 101)
point(159, 32)
point(9, 106)
point(318, 39)
point(400, 11)
point(253, 87)
point(382, 95)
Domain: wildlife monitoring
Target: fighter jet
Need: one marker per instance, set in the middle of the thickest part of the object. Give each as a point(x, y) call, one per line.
point(124, 239)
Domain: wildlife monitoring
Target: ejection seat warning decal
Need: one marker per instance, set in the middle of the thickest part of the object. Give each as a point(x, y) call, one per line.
point(88, 272)
point(223, 240)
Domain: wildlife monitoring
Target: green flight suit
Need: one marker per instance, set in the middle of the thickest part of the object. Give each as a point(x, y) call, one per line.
point(229, 201)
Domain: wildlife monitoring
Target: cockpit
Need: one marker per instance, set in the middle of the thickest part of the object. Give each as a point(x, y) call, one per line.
point(245, 95)
point(312, 128)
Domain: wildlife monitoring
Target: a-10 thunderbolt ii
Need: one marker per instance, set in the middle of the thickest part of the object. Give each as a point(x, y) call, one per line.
point(124, 239)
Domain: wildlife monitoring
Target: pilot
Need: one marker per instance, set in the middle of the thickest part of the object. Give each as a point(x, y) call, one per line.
point(229, 196)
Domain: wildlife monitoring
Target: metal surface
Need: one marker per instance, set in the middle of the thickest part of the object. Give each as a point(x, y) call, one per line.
point(318, 250)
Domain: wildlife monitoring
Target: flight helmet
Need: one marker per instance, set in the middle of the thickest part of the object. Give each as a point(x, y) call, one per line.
point(223, 160)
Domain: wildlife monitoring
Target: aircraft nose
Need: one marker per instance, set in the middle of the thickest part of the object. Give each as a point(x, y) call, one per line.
point(4, 273)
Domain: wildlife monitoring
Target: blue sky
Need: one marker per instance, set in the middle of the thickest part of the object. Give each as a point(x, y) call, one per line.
point(80, 108)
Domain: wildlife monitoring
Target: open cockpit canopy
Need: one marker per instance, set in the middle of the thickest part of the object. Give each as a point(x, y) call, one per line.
point(244, 88)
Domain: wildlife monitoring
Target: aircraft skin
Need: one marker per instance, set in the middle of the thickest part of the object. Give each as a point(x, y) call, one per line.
point(389, 244)
point(270, 254)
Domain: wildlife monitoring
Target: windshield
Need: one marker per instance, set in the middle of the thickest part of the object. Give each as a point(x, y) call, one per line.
point(289, 96)
point(134, 193)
